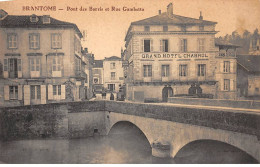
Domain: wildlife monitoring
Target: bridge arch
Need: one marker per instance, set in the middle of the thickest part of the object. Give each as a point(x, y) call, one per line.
point(134, 124)
point(245, 152)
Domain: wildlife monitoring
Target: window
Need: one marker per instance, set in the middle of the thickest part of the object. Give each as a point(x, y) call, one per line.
point(34, 18)
point(35, 92)
point(34, 41)
point(147, 70)
point(146, 28)
point(201, 28)
point(13, 67)
point(77, 64)
point(112, 65)
point(147, 45)
point(95, 80)
point(165, 70)
point(56, 41)
point(201, 45)
point(56, 63)
point(113, 75)
point(111, 87)
point(183, 45)
point(12, 41)
point(183, 28)
point(164, 45)
point(35, 64)
point(226, 84)
point(183, 70)
point(13, 92)
point(56, 90)
point(165, 28)
point(257, 89)
point(46, 19)
point(226, 67)
point(201, 69)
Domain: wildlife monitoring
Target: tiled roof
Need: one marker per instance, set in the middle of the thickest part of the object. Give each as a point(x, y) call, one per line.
point(15, 21)
point(250, 62)
point(98, 64)
point(164, 19)
point(112, 58)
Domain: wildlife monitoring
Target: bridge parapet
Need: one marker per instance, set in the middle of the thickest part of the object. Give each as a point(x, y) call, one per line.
point(231, 119)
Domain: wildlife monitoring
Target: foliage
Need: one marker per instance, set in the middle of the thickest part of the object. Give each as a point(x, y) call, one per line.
point(242, 40)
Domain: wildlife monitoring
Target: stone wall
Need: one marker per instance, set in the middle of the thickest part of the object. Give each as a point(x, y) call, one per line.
point(37, 121)
point(216, 102)
point(217, 118)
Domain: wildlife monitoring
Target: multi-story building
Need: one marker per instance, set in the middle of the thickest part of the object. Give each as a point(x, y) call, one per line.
point(171, 55)
point(89, 58)
point(41, 60)
point(113, 73)
point(98, 78)
point(254, 47)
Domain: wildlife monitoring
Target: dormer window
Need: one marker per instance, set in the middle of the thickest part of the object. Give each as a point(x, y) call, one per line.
point(146, 28)
point(46, 19)
point(34, 18)
point(3, 14)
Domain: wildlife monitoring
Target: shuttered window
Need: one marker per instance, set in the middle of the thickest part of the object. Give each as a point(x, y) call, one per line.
point(13, 92)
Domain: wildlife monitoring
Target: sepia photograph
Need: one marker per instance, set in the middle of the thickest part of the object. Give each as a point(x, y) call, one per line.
point(129, 82)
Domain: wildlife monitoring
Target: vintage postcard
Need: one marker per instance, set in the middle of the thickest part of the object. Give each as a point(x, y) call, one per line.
point(129, 81)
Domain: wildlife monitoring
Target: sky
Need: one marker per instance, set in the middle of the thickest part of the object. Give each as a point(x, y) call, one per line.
point(106, 30)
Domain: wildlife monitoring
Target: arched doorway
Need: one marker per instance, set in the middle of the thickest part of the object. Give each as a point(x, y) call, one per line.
point(166, 92)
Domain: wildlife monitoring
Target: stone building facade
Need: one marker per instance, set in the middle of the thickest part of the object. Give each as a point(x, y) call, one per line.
point(113, 73)
point(172, 55)
point(41, 60)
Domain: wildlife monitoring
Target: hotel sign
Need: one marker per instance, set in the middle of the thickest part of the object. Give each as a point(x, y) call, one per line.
point(174, 56)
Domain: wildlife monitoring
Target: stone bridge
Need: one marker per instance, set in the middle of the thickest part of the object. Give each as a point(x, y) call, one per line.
point(167, 127)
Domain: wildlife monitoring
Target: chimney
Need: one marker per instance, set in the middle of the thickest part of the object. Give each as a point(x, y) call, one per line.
point(170, 10)
point(160, 12)
point(201, 17)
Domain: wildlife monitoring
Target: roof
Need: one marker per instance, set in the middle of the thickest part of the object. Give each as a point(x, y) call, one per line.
point(23, 21)
point(164, 18)
point(98, 64)
point(112, 58)
point(249, 62)
point(224, 43)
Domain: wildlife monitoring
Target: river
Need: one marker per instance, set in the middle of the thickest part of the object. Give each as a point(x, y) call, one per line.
point(117, 147)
